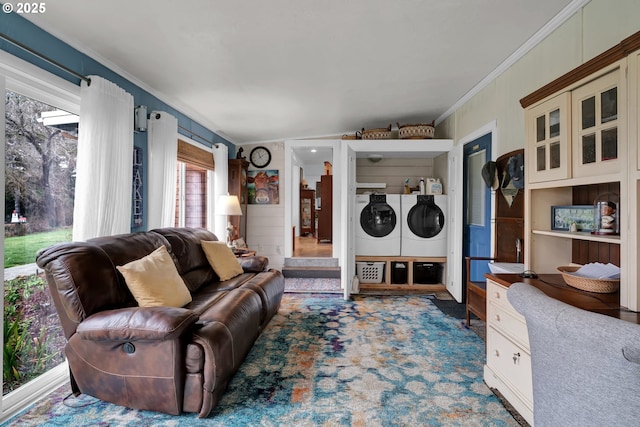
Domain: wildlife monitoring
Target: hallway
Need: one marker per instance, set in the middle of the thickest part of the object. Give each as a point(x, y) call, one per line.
point(308, 247)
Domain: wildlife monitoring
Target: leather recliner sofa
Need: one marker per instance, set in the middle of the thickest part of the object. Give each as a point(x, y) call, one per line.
point(165, 359)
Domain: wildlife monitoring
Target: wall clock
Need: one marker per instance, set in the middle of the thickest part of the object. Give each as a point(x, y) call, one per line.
point(260, 157)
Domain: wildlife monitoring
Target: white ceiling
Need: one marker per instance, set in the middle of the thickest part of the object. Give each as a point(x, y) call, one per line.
point(261, 70)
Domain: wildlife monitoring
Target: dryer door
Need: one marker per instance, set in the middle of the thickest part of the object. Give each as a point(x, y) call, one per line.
point(378, 219)
point(425, 219)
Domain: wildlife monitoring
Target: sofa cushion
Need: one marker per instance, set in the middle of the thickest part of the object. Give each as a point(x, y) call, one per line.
point(191, 259)
point(222, 259)
point(154, 280)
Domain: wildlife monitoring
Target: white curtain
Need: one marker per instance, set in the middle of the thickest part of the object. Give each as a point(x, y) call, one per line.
point(221, 186)
point(105, 161)
point(162, 146)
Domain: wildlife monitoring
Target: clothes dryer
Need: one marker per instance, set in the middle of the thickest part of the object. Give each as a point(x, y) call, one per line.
point(378, 231)
point(424, 231)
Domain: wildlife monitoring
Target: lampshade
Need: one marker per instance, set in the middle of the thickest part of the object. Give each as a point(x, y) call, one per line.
point(228, 205)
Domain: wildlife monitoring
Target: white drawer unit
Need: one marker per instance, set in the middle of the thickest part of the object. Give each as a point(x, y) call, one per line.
point(508, 366)
point(509, 323)
point(512, 362)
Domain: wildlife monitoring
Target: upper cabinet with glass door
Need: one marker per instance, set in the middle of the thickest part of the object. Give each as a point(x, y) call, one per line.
point(548, 131)
point(596, 120)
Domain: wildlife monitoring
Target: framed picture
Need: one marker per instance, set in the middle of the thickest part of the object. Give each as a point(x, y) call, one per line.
point(263, 187)
point(581, 215)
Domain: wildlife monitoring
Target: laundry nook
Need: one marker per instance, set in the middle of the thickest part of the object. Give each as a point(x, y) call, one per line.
point(401, 215)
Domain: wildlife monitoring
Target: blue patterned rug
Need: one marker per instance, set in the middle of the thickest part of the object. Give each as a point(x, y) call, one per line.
point(323, 361)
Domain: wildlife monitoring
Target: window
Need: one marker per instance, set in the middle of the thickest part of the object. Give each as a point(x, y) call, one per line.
point(194, 186)
point(40, 158)
point(49, 104)
point(191, 196)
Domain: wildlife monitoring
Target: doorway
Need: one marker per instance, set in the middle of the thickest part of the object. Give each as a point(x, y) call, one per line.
point(312, 216)
point(477, 206)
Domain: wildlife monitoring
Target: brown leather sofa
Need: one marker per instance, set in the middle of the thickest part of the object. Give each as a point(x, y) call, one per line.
point(164, 359)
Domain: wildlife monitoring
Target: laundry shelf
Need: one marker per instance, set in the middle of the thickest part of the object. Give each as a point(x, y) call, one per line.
point(410, 285)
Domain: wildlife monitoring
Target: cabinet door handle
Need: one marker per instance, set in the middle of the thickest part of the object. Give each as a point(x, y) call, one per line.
point(496, 353)
point(497, 317)
point(516, 358)
point(497, 295)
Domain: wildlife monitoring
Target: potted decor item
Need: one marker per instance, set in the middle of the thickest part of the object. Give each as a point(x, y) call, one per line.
point(606, 215)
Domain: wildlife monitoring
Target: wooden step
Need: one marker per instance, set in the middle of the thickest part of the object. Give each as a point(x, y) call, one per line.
point(311, 272)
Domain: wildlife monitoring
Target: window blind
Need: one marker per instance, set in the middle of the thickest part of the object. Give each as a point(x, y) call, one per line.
point(191, 154)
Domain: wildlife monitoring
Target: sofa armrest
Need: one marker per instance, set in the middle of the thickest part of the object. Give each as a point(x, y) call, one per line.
point(137, 324)
point(254, 264)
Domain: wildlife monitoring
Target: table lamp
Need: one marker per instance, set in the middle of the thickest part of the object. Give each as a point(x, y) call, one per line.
point(229, 205)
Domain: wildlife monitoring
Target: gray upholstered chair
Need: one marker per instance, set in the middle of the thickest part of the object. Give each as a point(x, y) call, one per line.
point(585, 366)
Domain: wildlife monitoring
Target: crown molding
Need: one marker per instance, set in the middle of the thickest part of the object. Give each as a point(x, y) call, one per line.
point(608, 57)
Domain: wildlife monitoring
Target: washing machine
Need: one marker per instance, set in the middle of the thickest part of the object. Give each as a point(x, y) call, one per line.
point(424, 231)
point(378, 231)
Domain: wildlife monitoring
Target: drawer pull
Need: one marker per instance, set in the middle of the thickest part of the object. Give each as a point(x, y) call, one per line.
point(497, 295)
point(497, 317)
point(516, 358)
point(497, 353)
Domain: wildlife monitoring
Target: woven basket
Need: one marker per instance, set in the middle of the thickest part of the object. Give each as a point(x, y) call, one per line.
point(357, 135)
point(377, 133)
point(601, 286)
point(419, 131)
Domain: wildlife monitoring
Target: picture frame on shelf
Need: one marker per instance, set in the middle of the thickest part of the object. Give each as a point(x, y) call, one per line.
point(562, 217)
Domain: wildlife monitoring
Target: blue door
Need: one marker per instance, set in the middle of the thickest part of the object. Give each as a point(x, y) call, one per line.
point(477, 207)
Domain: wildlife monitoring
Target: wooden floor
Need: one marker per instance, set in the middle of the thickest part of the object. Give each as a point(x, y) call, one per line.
point(309, 247)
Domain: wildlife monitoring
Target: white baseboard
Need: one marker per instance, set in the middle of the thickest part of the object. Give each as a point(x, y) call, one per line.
point(34, 390)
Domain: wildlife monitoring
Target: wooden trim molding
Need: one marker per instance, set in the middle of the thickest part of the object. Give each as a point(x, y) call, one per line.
point(616, 53)
point(189, 153)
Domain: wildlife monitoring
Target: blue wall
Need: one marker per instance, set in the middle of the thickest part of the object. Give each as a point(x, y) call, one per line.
point(25, 32)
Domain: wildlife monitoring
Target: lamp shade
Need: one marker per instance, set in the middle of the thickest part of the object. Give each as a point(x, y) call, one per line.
point(228, 205)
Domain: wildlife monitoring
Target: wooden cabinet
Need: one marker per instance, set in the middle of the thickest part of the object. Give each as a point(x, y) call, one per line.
point(238, 186)
point(307, 212)
point(324, 190)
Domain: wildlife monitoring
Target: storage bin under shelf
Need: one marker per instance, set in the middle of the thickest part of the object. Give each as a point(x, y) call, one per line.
point(388, 284)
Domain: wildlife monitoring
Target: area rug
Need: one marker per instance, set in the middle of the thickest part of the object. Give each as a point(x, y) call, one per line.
point(324, 361)
point(312, 285)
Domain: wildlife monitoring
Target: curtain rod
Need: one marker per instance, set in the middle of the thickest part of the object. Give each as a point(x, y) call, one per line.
point(44, 58)
point(196, 135)
point(80, 76)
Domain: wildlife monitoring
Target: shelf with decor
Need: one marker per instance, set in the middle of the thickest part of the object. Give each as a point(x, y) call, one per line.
point(579, 235)
point(307, 212)
point(576, 129)
point(238, 170)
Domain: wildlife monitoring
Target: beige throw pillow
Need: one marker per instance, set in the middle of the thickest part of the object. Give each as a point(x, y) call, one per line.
point(154, 280)
point(222, 259)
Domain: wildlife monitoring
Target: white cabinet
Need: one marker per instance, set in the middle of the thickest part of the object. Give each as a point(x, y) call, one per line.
point(579, 132)
point(597, 134)
point(585, 155)
point(508, 367)
point(548, 140)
